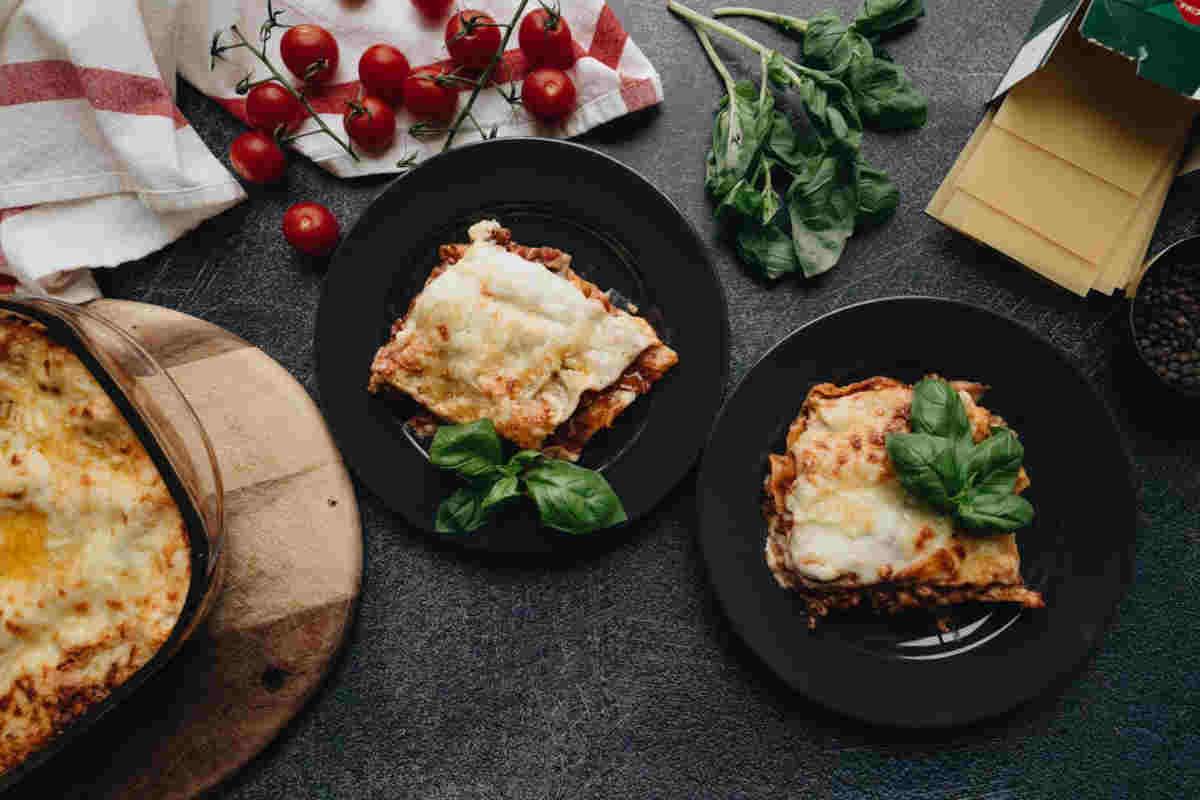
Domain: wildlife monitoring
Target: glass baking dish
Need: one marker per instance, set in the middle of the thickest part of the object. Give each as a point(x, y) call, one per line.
point(172, 435)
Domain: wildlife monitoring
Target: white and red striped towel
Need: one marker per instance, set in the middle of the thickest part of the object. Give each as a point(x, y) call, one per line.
point(98, 167)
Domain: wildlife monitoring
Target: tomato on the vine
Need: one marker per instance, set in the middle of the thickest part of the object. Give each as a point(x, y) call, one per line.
point(310, 52)
point(548, 93)
point(546, 40)
point(257, 157)
point(311, 228)
point(370, 123)
point(382, 70)
point(472, 37)
point(424, 95)
point(432, 8)
point(271, 108)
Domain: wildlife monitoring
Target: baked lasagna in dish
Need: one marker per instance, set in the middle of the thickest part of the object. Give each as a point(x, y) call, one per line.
point(510, 333)
point(843, 532)
point(94, 557)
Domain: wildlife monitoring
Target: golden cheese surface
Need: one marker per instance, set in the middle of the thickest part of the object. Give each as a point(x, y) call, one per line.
point(94, 557)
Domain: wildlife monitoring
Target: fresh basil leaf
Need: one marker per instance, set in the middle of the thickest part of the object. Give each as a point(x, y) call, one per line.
point(520, 461)
point(995, 462)
point(822, 211)
point(827, 102)
point(831, 46)
point(502, 492)
point(879, 17)
point(886, 97)
point(938, 410)
point(742, 125)
point(921, 461)
point(767, 248)
point(748, 199)
point(573, 499)
point(877, 196)
point(473, 450)
point(740, 200)
point(461, 512)
point(1004, 513)
point(800, 153)
point(770, 198)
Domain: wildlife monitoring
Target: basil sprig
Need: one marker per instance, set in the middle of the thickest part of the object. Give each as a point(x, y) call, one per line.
point(569, 498)
point(790, 194)
point(940, 463)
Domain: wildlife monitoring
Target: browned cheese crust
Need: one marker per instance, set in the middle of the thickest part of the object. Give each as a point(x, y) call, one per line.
point(597, 410)
point(94, 556)
point(971, 568)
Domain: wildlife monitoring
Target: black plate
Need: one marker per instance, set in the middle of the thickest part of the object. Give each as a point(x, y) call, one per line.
point(1079, 551)
point(623, 235)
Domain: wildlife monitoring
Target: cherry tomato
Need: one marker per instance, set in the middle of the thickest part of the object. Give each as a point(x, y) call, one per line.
point(271, 108)
point(433, 9)
point(311, 228)
point(472, 38)
point(546, 40)
point(382, 70)
point(423, 95)
point(548, 93)
point(371, 123)
point(257, 157)
point(310, 52)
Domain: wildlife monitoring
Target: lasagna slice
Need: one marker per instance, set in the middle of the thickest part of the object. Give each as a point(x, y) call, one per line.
point(510, 333)
point(843, 532)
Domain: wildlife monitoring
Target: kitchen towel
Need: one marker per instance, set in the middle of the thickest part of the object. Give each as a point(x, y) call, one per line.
point(97, 165)
point(611, 75)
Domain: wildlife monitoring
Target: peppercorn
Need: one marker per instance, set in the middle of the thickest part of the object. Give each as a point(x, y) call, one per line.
point(1166, 319)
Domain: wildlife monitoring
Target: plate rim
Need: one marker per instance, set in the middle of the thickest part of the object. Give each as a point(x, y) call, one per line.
point(1127, 553)
point(564, 543)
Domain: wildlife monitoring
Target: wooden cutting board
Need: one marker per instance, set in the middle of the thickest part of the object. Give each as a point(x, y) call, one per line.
point(293, 568)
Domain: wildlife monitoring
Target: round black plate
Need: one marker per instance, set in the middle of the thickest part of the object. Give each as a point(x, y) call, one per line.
point(623, 235)
point(898, 669)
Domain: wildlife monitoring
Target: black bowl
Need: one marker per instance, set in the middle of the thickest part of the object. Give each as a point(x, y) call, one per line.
point(1184, 251)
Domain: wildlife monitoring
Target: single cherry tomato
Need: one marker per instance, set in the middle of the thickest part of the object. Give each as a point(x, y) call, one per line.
point(311, 228)
point(548, 93)
point(382, 70)
point(472, 37)
point(272, 108)
point(424, 95)
point(370, 122)
point(434, 9)
point(257, 157)
point(546, 40)
point(310, 52)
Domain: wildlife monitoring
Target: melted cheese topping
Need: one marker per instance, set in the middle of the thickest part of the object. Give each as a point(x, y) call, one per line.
point(498, 336)
point(851, 517)
point(94, 561)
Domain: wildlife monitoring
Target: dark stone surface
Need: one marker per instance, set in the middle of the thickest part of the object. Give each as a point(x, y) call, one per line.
point(617, 677)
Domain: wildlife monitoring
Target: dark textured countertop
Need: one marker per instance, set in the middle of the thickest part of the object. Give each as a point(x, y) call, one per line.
point(617, 677)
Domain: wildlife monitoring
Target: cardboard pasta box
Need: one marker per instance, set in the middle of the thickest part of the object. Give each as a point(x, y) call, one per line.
point(1068, 171)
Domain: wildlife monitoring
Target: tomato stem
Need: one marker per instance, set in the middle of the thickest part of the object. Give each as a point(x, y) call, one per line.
point(408, 162)
point(245, 84)
point(293, 137)
point(483, 76)
point(262, 56)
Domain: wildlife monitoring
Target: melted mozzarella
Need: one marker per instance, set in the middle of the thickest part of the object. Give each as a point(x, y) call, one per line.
point(851, 518)
point(94, 562)
point(498, 336)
